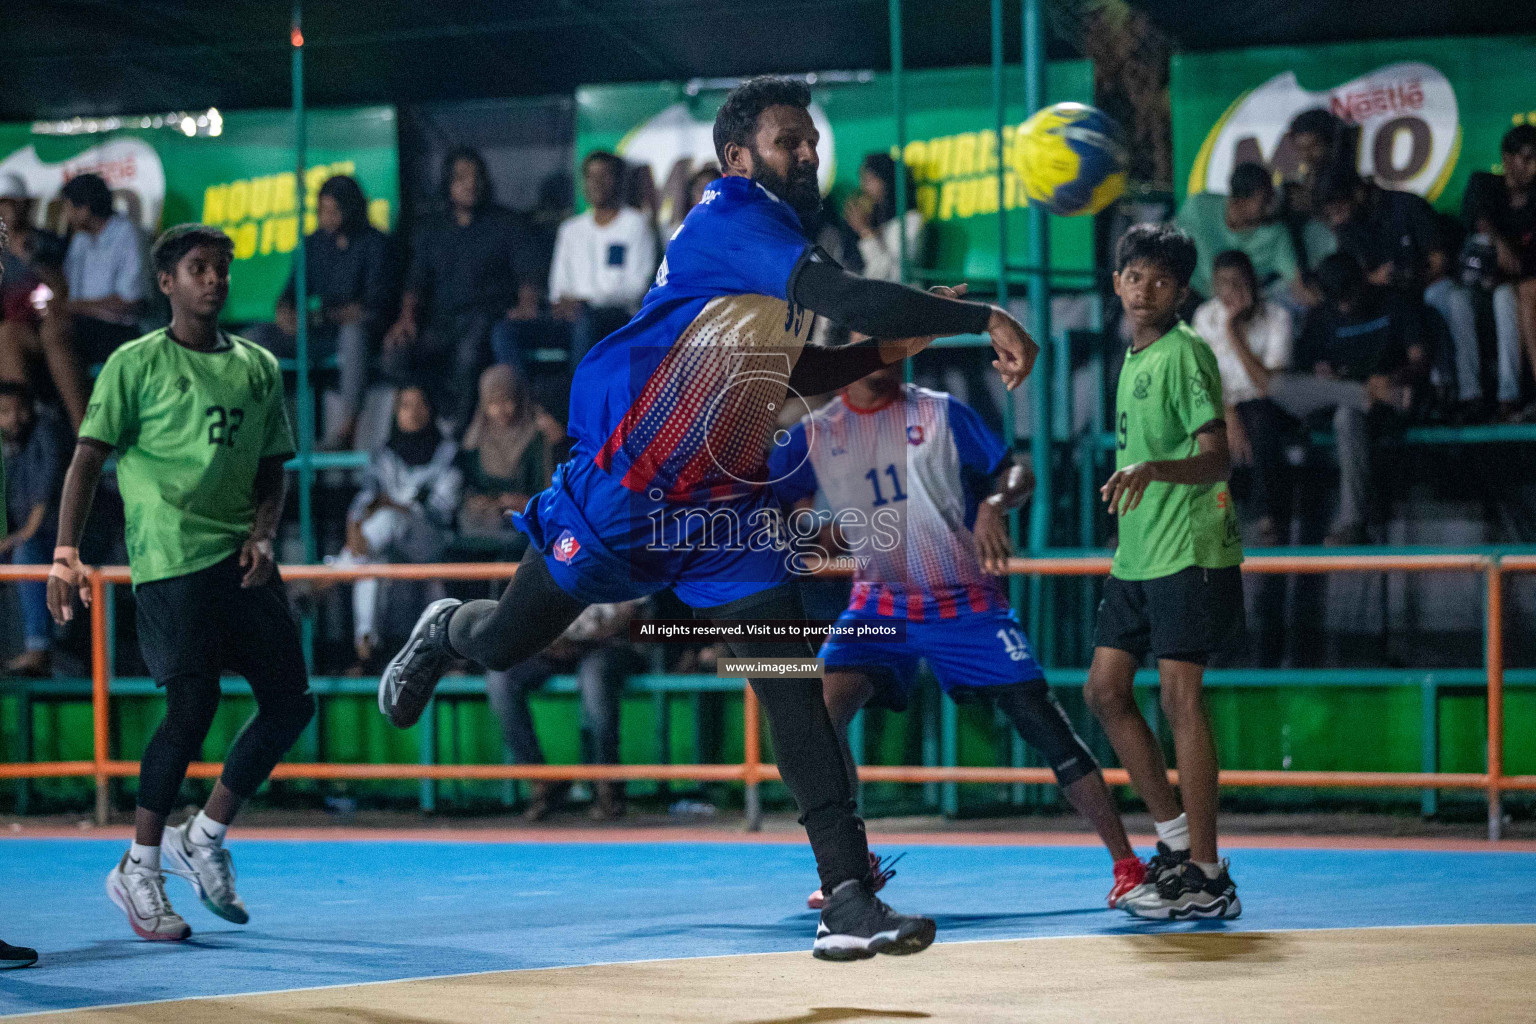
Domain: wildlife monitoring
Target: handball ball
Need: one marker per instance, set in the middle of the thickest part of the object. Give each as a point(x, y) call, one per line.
point(1070, 159)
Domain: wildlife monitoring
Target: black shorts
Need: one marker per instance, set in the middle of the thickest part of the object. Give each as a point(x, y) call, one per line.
point(1192, 615)
point(193, 627)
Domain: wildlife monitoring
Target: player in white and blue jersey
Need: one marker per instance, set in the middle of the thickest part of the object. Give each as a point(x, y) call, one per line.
point(667, 485)
point(917, 490)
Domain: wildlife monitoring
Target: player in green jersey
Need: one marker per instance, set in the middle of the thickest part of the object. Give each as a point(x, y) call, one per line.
point(1175, 589)
point(196, 420)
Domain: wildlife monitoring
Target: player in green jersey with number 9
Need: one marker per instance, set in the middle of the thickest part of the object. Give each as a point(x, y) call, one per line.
point(197, 422)
point(1175, 589)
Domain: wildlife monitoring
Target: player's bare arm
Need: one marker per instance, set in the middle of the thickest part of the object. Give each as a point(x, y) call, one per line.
point(68, 576)
point(993, 544)
point(271, 488)
point(1211, 464)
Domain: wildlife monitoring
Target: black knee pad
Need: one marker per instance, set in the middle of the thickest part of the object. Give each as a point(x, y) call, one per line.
point(1040, 720)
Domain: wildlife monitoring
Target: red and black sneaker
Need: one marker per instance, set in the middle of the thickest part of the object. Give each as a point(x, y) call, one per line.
point(1129, 873)
point(880, 872)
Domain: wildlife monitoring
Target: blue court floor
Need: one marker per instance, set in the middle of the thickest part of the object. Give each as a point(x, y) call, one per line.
point(339, 913)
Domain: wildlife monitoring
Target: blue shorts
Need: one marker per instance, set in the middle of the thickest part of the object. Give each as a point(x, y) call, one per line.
point(972, 650)
point(604, 543)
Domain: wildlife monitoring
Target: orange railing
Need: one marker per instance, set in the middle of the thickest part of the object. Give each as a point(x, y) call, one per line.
point(752, 771)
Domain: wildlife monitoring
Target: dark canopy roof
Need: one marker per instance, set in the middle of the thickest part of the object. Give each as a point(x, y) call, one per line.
point(65, 58)
point(1227, 24)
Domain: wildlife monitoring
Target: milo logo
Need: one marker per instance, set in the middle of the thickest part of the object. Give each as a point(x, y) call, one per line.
point(1406, 112)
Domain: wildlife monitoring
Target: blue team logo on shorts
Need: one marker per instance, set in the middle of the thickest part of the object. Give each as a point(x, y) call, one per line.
point(566, 547)
point(915, 434)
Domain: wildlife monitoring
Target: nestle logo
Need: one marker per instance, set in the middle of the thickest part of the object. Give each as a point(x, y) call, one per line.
point(566, 547)
point(1358, 105)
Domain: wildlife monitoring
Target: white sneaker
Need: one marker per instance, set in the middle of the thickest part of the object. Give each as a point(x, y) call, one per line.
point(141, 895)
point(210, 869)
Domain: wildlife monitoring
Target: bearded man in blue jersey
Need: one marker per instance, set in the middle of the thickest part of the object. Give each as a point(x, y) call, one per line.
point(667, 485)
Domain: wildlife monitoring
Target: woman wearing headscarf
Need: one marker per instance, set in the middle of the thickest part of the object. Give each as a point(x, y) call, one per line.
point(507, 456)
point(404, 513)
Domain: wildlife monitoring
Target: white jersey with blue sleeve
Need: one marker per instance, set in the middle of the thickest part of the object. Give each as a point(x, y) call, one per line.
point(903, 480)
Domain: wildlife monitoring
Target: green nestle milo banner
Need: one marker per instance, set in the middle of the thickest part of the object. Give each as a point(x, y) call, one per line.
point(1429, 111)
point(242, 179)
point(952, 149)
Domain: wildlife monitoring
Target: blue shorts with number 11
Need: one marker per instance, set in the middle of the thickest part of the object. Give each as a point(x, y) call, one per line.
point(971, 650)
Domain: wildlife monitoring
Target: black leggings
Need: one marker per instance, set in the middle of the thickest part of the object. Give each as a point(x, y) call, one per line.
point(190, 628)
point(534, 611)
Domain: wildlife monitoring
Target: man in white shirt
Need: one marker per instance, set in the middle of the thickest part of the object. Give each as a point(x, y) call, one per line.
point(104, 269)
point(604, 262)
point(1245, 330)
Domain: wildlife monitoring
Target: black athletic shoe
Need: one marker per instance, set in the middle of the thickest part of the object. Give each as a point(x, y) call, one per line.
point(1188, 893)
point(16, 956)
point(406, 686)
point(1164, 862)
point(855, 925)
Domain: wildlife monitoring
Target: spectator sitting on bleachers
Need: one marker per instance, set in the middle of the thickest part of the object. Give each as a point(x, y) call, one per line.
point(1240, 221)
point(1446, 293)
point(405, 511)
point(1242, 328)
point(1365, 350)
point(37, 447)
point(1392, 234)
point(472, 262)
point(346, 263)
point(105, 287)
point(1501, 209)
point(1318, 139)
point(604, 262)
point(31, 261)
point(871, 213)
point(508, 456)
point(596, 647)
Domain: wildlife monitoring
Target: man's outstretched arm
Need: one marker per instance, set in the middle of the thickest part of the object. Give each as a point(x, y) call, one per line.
point(907, 318)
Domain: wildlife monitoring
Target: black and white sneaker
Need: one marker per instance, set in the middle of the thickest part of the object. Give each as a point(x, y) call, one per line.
point(855, 925)
point(16, 956)
point(1164, 862)
point(406, 686)
point(1187, 894)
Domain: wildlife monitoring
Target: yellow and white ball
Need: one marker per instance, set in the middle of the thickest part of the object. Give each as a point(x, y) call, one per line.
point(1070, 159)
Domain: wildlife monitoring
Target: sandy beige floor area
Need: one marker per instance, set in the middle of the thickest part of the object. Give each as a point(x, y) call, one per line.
point(1453, 975)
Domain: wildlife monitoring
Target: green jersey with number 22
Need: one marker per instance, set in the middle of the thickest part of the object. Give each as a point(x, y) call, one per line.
point(190, 428)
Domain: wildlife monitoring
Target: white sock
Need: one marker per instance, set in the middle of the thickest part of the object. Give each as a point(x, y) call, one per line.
point(1209, 870)
point(143, 858)
point(207, 832)
point(1174, 834)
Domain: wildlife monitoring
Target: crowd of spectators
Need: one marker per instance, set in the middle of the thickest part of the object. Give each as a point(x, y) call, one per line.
point(1331, 301)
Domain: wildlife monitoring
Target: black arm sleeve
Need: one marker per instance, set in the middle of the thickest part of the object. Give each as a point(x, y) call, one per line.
point(880, 309)
point(821, 370)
